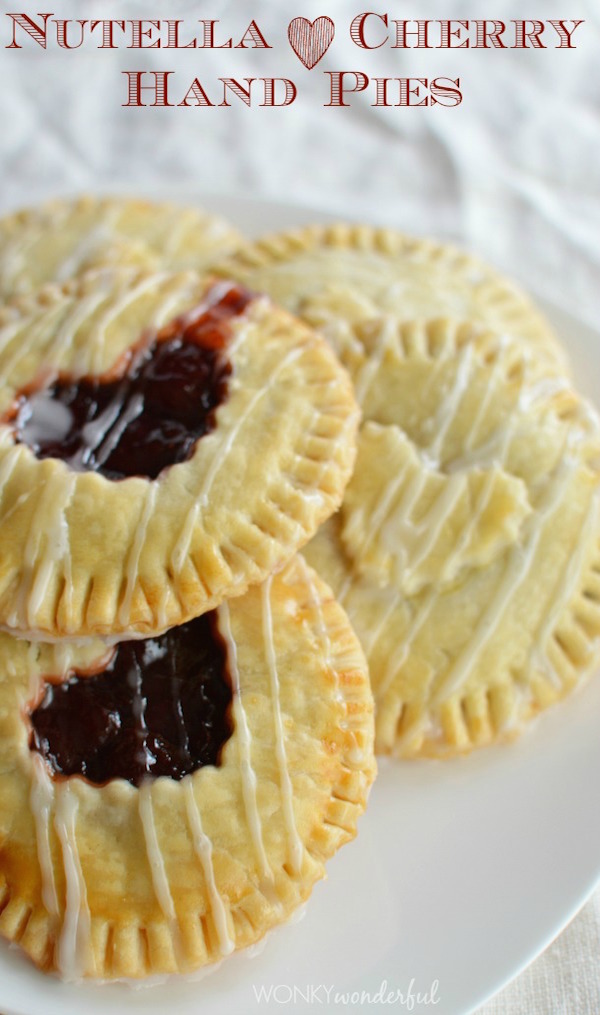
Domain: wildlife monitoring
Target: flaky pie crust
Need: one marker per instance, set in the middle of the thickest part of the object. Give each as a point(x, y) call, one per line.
point(81, 555)
point(67, 237)
point(113, 881)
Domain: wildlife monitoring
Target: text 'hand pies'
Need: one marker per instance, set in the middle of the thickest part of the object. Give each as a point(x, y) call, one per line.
point(167, 801)
point(165, 441)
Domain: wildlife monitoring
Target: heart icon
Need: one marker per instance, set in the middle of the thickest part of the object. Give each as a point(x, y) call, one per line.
point(310, 40)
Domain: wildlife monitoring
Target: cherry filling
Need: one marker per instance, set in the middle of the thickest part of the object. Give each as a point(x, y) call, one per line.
point(160, 707)
point(150, 413)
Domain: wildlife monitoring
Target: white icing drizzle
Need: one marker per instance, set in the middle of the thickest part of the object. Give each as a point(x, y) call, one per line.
point(80, 310)
point(9, 455)
point(220, 451)
point(91, 243)
point(133, 558)
point(450, 405)
point(47, 544)
point(204, 851)
point(63, 655)
point(356, 755)
point(417, 540)
point(371, 366)
point(287, 792)
point(450, 565)
point(244, 738)
point(516, 570)
point(168, 308)
point(175, 236)
point(399, 657)
point(96, 339)
point(8, 332)
point(14, 250)
point(32, 672)
point(74, 944)
point(156, 861)
point(41, 799)
point(322, 630)
point(377, 520)
point(496, 375)
point(430, 528)
point(28, 339)
point(569, 581)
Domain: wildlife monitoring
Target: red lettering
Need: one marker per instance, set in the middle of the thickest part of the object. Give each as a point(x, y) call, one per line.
point(490, 32)
point(208, 41)
point(108, 26)
point(338, 87)
point(421, 32)
point(523, 34)
point(138, 33)
point(159, 90)
point(357, 30)
point(237, 89)
point(62, 34)
point(197, 93)
point(445, 92)
point(173, 37)
point(37, 32)
point(565, 36)
point(406, 92)
point(447, 34)
point(254, 34)
point(270, 85)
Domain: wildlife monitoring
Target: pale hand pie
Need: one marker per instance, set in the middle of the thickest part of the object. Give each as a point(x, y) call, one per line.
point(64, 238)
point(467, 549)
point(165, 441)
point(146, 874)
point(337, 277)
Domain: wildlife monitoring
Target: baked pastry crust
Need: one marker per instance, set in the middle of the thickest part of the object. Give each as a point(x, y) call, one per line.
point(81, 555)
point(112, 881)
point(63, 238)
point(336, 277)
point(468, 557)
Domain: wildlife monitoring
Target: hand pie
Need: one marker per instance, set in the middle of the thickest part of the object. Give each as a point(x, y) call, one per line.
point(338, 277)
point(165, 441)
point(466, 551)
point(63, 238)
point(172, 800)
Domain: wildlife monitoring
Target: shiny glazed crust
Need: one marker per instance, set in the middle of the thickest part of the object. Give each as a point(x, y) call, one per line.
point(466, 551)
point(114, 881)
point(334, 276)
point(64, 238)
point(81, 555)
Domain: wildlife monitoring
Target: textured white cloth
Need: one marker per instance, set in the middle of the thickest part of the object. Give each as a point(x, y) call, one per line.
point(513, 173)
point(565, 980)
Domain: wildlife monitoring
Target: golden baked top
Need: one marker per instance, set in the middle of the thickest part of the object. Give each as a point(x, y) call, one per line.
point(66, 237)
point(338, 276)
point(85, 372)
point(467, 547)
point(172, 873)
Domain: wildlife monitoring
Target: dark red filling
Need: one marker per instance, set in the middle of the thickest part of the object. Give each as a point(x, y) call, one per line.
point(161, 707)
point(150, 413)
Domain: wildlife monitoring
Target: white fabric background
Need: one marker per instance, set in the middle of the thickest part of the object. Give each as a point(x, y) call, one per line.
point(514, 173)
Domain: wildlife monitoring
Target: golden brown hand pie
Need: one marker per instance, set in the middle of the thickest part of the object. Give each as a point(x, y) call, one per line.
point(63, 238)
point(467, 550)
point(340, 277)
point(156, 875)
point(165, 442)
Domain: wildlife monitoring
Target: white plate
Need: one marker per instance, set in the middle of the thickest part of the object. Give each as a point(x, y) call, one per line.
point(462, 871)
